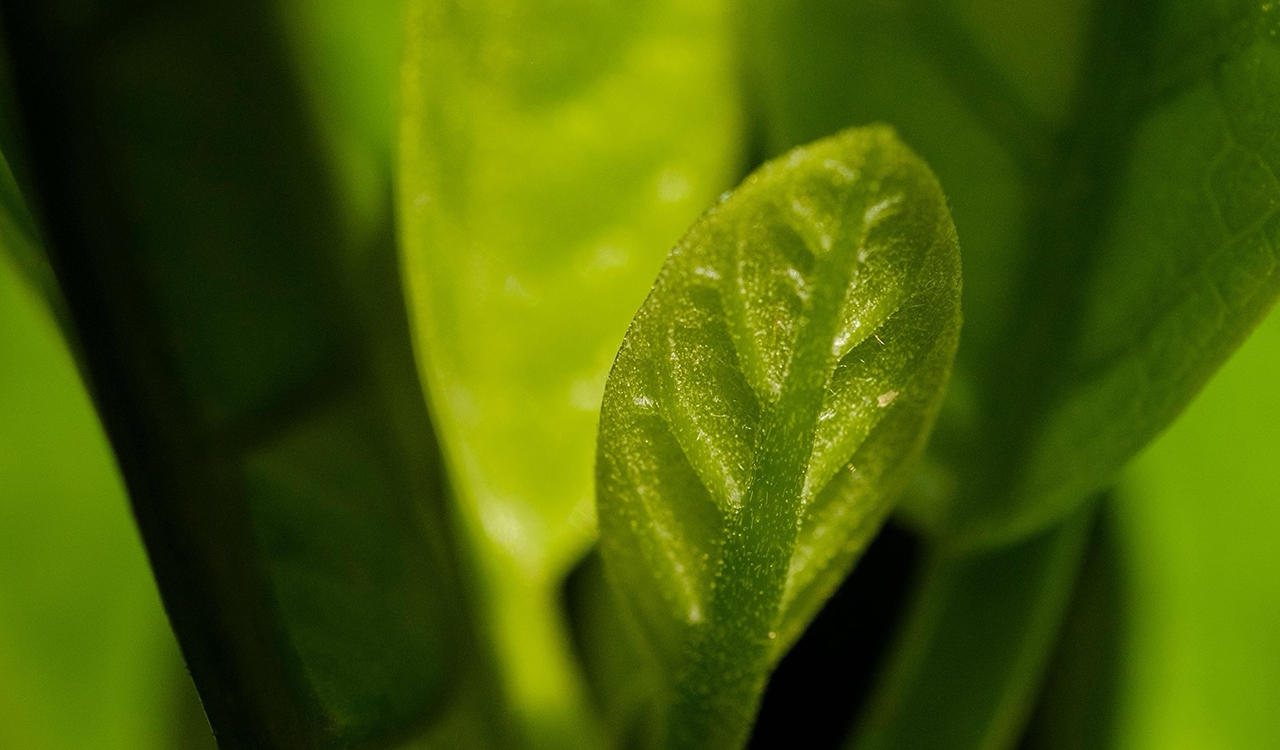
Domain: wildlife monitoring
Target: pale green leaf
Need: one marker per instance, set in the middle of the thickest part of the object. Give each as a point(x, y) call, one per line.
point(551, 153)
point(764, 409)
point(87, 659)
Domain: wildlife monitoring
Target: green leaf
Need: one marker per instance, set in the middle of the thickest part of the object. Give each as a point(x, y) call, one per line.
point(1077, 707)
point(1110, 172)
point(86, 655)
point(551, 153)
point(252, 366)
point(765, 409)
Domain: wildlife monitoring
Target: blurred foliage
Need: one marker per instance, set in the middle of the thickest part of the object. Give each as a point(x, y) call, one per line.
point(551, 153)
point(86, 656)
point(1198, 529)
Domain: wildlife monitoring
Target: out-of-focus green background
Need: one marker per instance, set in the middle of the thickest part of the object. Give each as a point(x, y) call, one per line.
point(1199, 524)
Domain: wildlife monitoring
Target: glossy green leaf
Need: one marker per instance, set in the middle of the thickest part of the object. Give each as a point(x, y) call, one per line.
point(1110, 170)
point(765, 409)
point(251, 363)
point(551, 154)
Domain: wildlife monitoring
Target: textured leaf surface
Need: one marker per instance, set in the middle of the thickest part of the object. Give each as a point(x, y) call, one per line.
point(551, 154)
point(766, 402)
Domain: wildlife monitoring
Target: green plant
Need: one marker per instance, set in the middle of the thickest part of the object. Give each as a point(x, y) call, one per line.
point(213, 183)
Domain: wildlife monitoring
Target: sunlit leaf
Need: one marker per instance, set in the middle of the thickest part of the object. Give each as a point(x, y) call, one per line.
point(86, 656)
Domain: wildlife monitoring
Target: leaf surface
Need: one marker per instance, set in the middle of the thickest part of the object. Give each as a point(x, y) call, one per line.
point(765, 406)
point(551, 154)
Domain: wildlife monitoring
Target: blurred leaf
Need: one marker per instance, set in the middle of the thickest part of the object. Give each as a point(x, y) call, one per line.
point(619, 670)
point(86, 656)
point(257, 386)
point(347, 55)
point(551, 153)
point(972, 651)
point(1198, 519)
point(764, 410)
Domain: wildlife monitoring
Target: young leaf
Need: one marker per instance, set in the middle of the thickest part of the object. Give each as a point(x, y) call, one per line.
point(551, 153)
point(257, 384)
point(764, 409)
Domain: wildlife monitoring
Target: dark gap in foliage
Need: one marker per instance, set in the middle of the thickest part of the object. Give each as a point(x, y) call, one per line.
point(820, 685)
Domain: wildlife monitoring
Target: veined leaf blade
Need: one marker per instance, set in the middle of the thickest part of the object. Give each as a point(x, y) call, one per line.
point(1190, 268)
point(717, 453)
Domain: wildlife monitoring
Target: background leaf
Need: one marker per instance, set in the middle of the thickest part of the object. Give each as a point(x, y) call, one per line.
point(551, 153)
point(86, 655)
point(763, 410)
point(251, 363)
point(1169, 642)
point(972, 650)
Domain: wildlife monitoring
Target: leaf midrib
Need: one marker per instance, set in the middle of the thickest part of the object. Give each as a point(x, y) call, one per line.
point(715, 698)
